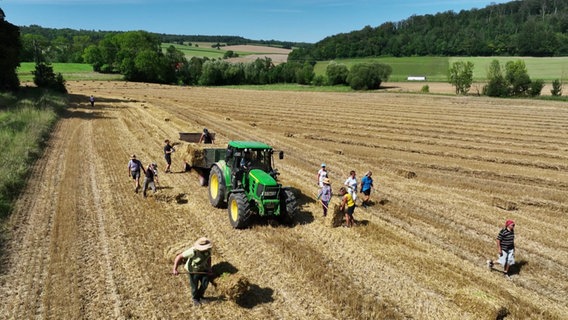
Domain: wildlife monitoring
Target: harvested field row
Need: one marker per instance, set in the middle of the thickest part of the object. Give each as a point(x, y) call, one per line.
point(448, 171)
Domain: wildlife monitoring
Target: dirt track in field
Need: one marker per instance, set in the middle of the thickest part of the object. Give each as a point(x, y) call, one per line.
point(85, 246)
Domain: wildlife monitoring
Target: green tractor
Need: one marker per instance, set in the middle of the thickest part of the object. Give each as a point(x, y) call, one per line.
point(247, 184)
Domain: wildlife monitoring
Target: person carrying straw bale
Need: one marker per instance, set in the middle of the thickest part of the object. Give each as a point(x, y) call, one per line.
point(198, 265)
point(347, 206)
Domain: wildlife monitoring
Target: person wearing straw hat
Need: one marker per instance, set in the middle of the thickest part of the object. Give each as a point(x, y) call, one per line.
point(134, 168)
point(198, 265)
point(324, 195)
point(322, 174)
point(505, 247)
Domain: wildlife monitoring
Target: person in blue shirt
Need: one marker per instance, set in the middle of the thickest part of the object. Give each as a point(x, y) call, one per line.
point(366, 187)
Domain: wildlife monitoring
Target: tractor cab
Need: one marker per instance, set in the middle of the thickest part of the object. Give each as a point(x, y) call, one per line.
point(244, 156)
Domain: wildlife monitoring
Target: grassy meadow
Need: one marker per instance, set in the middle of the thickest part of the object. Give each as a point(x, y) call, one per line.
point(25, 123)
point(70, 71)
point(436, 68)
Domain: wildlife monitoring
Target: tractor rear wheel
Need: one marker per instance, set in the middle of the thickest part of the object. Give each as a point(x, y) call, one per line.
point(239, 210)
point(216, 187)
point(288, 206)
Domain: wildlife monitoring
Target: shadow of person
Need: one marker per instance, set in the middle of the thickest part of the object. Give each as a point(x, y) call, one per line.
point(516, 268)
point(224, 267)
point(254, 296)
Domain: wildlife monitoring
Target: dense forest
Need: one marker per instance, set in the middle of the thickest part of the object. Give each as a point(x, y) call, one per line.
point(518, 28)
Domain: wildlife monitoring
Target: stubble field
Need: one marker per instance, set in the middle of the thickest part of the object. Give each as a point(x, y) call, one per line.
point(448, 170)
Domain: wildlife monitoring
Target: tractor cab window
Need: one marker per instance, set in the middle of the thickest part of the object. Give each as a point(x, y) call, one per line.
point(262, 159)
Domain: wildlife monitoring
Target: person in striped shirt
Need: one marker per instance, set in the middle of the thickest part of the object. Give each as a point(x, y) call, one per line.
point(505, 247)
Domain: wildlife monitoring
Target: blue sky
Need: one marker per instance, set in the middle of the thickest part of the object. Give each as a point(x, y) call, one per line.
point(285, 20)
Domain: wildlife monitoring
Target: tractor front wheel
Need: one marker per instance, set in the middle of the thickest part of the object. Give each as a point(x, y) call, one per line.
point(239, 210)
point(216, 187)
point(288, 206)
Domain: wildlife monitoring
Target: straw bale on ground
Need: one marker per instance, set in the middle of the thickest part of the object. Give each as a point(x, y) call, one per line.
point(504, 204)
point(232, 286)
point(406, 173)
point(179, 198)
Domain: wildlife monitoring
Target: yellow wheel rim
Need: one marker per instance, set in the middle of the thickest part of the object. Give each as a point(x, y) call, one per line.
point(234, 210)
point(214, 186)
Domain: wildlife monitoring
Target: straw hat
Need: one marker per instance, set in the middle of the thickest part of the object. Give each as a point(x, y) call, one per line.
point(326, 181)
point(202, 244)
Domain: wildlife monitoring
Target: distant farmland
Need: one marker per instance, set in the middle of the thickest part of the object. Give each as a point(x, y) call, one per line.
point(434, 68)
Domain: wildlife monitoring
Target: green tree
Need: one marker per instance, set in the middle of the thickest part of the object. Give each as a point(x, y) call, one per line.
point(336, 73)
point(368, 76)
point(10, 48)
point(517, 77)
point(461, 76)
point(305, 74)
point(556, 88)
point(44, 77)
point(497, 86)
point(535, 88)
point(213, 73)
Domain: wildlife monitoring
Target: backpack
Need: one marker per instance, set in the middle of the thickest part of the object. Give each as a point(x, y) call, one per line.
point(199, 261)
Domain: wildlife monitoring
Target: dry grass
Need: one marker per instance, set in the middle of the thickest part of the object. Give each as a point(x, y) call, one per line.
point(449, 171)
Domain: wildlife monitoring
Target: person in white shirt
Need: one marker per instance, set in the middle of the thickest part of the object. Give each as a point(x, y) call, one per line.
point(351, 185)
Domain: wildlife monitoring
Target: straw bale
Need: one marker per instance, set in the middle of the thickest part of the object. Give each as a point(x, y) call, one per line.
point(194, 155)
point(504, 204)
point(406, 173)
point(335, 216)
point(179, 198)
point(232, 286)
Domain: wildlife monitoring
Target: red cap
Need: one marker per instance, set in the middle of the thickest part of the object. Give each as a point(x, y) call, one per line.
point(509, 222)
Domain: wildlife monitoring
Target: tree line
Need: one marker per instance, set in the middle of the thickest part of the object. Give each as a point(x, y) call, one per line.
point(138, 56)
point(518, 28)
point(68, 45)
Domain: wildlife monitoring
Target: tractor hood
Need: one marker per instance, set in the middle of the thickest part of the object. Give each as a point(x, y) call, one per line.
point(262, 178)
